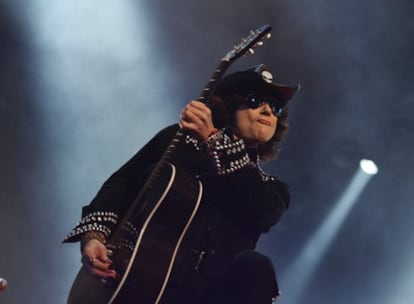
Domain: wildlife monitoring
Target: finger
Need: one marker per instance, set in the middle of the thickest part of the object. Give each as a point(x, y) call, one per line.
point(98, 268)
point(194, 118)
point(99, 263)
point(103, 256)
point(200, 110)
point(192, 125)
point(197, 107)
point(87, 261)
point(189, 125)
point(102, 274)
point(96, 262)
point(201, 132)
point(198, 104)
point(202, 119)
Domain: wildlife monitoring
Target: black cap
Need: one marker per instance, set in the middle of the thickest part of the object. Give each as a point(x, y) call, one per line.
point(257, 79)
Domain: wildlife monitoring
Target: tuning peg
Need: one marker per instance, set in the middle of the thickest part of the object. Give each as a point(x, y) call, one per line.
point(251, 51)
point(268, 35)
point(259, 43)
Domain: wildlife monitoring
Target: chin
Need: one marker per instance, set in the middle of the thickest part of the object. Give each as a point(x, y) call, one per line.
point(260, 141)
point(264, 138)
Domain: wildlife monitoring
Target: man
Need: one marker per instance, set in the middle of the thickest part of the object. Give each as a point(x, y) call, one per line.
point(225, 141)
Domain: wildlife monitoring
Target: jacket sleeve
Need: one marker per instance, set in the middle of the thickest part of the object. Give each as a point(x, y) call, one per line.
point(239, 187)
point(113, 198)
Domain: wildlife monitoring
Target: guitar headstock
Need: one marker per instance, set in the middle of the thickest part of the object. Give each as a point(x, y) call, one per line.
point(247, 45)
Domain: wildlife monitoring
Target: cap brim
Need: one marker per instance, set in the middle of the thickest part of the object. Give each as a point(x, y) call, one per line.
point(285, 92)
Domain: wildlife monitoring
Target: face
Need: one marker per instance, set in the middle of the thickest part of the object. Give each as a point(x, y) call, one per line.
point(255, 126)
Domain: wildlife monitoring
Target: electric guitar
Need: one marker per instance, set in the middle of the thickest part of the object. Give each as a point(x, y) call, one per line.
point(145, 265)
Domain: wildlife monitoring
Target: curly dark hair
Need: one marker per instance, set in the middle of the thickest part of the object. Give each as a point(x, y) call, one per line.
point(223, 112)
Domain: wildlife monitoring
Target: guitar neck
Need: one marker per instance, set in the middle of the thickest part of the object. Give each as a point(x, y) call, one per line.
point(204, 97)
point(215, 77)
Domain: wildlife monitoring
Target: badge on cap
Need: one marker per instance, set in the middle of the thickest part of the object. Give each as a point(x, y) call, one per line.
point(267, 76)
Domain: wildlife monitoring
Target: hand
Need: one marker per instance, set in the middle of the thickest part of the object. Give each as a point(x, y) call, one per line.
point(95, 260)
point(196, 117)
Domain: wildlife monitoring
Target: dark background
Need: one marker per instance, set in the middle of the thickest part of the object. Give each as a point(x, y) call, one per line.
point(84, 84)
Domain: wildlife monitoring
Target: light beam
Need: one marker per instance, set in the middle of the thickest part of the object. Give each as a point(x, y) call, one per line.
point(302, 269)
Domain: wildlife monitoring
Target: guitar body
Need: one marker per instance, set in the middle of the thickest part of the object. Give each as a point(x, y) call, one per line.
point(169, 210)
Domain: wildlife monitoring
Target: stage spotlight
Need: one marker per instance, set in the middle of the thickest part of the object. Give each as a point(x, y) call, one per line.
point(368, 166)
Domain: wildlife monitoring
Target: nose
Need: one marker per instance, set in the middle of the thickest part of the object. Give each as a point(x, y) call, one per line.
point(266, 109)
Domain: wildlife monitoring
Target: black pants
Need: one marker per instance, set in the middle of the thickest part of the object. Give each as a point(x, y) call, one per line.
point(250, 279)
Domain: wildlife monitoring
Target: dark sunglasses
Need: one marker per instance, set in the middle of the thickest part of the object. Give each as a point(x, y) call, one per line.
point(254, 101)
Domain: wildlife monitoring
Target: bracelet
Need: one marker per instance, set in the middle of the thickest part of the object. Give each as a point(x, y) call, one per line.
point(214, 131)
point(92, 235)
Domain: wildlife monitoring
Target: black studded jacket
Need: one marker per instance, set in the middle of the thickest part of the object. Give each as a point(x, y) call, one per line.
point(239, 201)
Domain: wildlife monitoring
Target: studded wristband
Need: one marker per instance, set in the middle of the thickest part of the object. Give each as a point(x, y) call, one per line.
point(92, 235)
